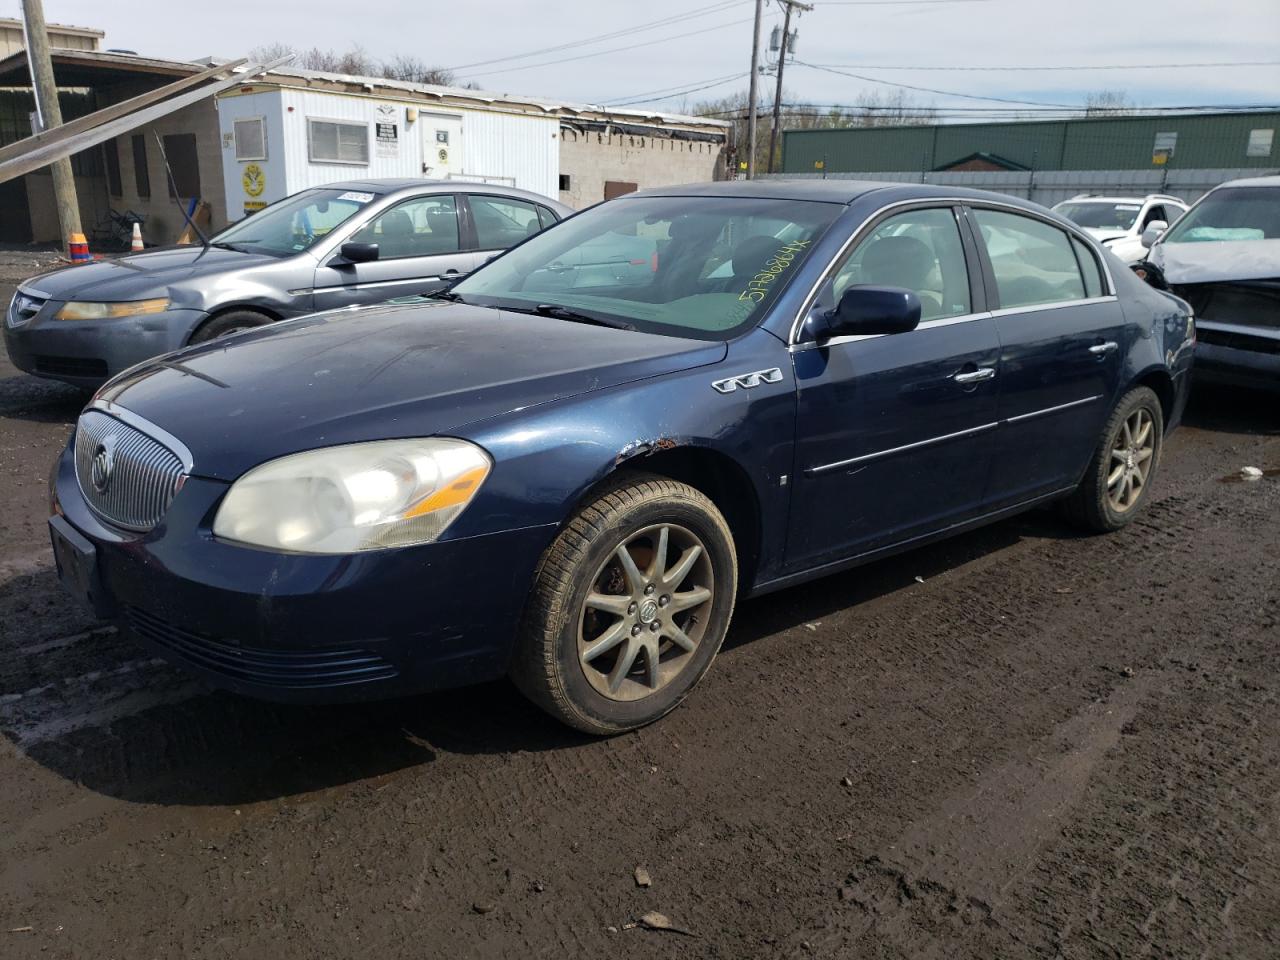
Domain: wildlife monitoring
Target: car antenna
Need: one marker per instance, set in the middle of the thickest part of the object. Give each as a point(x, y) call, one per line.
point(173, 189)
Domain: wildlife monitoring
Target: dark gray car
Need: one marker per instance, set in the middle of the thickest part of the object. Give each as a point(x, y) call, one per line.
point(359, 241)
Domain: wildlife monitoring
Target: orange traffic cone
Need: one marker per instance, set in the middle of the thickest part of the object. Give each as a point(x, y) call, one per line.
point(78, 249)
point(136, 244)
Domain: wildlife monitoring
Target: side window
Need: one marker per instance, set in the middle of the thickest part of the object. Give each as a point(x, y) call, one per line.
point(501, 222)
point(421, 227)
point(919, 250)
point(1089, 267)
point(1033, 262)
point(1155, 212)
point(546, 217)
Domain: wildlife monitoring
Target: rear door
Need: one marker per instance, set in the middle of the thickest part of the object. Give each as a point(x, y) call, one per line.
point(495, 222)
point(893, 432)
point(1062, 339)
point(420, 250)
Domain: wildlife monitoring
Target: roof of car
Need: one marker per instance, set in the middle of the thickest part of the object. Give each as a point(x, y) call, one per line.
point(1099, 198)
point(830, 191)
point(1268, 181)
point(383, 186)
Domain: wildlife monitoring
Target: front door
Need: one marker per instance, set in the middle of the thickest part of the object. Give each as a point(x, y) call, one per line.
point(418, 252)
point(1062, 336)
point(441, 145)
point(893, 432)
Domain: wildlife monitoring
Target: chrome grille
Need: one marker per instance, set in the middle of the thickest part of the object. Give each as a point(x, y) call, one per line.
point(128, 477)
point(22, 308)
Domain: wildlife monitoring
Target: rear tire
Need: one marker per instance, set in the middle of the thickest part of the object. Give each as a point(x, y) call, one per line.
point(223, 325)
point(1115, 486)
point(629, 607)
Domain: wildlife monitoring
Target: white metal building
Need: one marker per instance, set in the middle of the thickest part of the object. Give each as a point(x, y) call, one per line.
point(301, 128)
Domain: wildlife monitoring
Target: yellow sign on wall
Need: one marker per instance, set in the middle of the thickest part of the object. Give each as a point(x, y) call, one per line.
point(253, 180)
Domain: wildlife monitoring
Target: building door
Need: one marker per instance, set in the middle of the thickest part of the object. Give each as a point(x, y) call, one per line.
point(15, 225)
point(441, 145)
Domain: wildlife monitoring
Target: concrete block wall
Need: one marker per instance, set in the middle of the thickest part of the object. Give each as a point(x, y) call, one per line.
point(590, 158)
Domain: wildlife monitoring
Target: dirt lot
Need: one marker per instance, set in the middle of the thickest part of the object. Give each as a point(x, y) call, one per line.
point(1053, 746)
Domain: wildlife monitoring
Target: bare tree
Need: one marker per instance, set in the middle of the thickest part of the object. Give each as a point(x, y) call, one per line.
point(358, 62)
point(1108, 103)
point(898, 109)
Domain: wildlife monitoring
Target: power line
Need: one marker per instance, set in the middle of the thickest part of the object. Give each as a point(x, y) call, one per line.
point(1083, 66)
point(638, 28)
point(601, 53)
point(944, 93)
point(649, 96)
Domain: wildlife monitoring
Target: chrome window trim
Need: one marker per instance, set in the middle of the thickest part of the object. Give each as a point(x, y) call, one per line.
point(924, 202)
point(143, 425)
point(972, 431)
point(1055, 305)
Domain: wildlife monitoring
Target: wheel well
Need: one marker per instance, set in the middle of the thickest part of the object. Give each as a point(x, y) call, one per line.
point(233, 308)
point(723, 481)
point(1162, 385)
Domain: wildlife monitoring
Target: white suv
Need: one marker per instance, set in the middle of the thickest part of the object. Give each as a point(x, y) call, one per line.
point(1119, 222)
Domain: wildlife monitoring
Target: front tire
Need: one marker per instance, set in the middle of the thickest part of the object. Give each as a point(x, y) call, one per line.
point(1116, 485)
point(224, 325)
point(629, 606)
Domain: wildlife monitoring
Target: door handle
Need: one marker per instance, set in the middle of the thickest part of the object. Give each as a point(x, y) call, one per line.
point(975, 376)
point(1102, 349)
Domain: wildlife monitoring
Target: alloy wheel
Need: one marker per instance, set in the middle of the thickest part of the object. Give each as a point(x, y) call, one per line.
point(1132, 451)
point(646, 612)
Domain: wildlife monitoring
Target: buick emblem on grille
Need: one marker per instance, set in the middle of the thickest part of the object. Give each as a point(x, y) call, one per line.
point(103, 464)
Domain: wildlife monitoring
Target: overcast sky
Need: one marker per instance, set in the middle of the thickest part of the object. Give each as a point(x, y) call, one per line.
point(879, 39)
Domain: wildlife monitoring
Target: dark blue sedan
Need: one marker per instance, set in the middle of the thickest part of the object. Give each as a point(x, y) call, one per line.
point(568, 467)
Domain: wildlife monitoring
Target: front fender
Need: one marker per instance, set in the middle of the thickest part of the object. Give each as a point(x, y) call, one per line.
point(548, 458)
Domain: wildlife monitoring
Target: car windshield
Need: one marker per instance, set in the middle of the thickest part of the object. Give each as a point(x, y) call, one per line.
point(701, 267)
point(295, 223)
point(1232, 213)
point(1100, 214)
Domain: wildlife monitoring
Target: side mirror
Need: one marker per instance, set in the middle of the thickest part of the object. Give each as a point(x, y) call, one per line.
point(354, 252)
point(1153, 231)
point(863, 311)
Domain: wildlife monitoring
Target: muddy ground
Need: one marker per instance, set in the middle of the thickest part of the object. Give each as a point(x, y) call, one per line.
point(1053, 746)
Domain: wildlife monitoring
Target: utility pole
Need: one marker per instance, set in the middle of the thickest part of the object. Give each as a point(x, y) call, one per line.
point(49, 113)
point(783, 49)
point(751, 94)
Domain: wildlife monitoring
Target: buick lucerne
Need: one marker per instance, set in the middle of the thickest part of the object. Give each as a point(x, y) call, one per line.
point(568, 466)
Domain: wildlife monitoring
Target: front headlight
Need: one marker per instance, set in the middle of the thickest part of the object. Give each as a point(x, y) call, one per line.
point(88, 310)
point(364, 496)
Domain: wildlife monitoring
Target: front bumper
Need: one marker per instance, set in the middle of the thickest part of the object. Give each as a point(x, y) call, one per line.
point(1239, 356)
point(299, 628)
point(88, 353)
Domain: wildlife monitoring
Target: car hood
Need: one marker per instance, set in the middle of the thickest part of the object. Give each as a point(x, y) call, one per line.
point(139, 275)
point(1214, 260)
point(1102, 235)
point(380, 372)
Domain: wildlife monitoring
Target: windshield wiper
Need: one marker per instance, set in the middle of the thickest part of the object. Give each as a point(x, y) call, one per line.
point(564, 313)
point(445, 295)
point(222, 244)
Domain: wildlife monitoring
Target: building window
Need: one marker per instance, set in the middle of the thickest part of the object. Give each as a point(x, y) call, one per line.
point(1260, 143)
point(337, 141)
point(564, 181)
point(111, 159)
point(251, 139)
point(180, 153)
point(141, 177)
